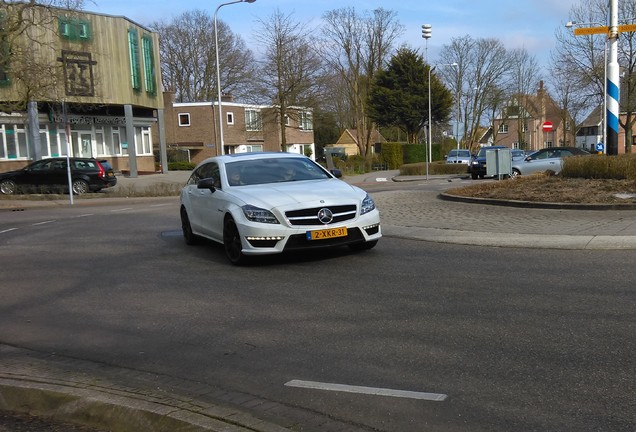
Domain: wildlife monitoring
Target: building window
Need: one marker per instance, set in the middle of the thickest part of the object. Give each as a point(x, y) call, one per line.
point(287, 121)
point(230, 118)
point(503, 128)
point(13, 139)
point(254, 148)
point(184, 119)
point(74, 29)
point(524, 127)
point(149, 64)
point(133, 50)
point(5, 55)
point(253, 120)
point(306, 120)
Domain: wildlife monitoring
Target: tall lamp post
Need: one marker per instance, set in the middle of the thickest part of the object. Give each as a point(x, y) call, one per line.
point(427, 30)
point(218, 70)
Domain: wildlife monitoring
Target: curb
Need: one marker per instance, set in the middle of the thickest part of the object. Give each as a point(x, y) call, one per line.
point(122, 411)
point(535, 204)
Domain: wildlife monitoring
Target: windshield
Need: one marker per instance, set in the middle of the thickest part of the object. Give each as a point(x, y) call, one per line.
point(460, 153)
point(273, 170)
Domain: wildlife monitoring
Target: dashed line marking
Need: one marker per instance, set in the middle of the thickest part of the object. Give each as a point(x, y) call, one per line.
point(436, 397)
point(43, 222)
point(121, 210)
point(8, 230)
point(83, 215)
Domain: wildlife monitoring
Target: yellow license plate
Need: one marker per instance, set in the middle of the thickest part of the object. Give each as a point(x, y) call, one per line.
point(327, 233)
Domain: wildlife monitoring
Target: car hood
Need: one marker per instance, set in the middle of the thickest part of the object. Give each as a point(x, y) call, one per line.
point(289, 194)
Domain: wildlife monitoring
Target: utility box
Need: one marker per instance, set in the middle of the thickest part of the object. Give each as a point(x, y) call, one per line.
point(499, 162)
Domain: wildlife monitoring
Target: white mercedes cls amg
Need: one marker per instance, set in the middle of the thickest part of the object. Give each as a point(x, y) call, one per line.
point(268, 203)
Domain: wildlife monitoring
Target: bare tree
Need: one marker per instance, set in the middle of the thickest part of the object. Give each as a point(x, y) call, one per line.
point(27, 54)
point(524, 75)
point(481, 71)
point(356, 47)
point(585, 56)
point(290, 68)
point(188, 62)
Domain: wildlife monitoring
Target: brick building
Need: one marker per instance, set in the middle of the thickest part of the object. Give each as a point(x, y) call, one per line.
point(191, 129)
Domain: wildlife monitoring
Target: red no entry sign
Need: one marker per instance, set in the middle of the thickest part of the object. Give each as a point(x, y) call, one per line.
point(548, 126)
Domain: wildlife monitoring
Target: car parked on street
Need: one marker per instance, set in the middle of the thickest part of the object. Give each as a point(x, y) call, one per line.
point(545, 160)
point(477, 166)
point(456, 156)
point(51, 175)
point(269, 203)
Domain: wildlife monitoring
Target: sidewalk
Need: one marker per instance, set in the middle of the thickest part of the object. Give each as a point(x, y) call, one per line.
point(114, 399)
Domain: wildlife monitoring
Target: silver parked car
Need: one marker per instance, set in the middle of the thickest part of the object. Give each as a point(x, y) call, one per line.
point(456, 156)
point(545, 160)
point(269, 203)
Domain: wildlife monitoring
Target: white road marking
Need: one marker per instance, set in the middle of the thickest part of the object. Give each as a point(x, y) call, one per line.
point(43, 223)
point(83, 215)
point(160, 205)
point(436, 397)
point(8, 230)
point(121, 210)
point(381, 179)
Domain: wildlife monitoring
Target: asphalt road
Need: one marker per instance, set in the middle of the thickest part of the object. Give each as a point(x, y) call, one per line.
point(514, 339)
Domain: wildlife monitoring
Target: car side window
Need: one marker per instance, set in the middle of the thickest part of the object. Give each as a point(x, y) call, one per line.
point(42, 166)
point(209, 170)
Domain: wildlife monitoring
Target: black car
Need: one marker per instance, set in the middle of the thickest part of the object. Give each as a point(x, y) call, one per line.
point(477, 165)
point(51, 175)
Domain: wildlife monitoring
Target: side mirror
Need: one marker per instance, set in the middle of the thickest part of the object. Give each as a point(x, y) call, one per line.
point(206, 183)
point(336, 172)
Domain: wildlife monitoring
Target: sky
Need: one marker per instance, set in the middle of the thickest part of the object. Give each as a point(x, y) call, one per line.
point(529, 24)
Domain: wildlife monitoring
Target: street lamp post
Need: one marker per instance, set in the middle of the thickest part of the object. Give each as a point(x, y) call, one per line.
point(218, 71)
point(427, 31)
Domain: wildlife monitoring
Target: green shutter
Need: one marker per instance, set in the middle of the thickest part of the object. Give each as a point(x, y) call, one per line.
point(133, 48)
point(149, 65)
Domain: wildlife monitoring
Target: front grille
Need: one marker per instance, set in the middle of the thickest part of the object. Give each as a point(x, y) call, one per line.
point(310, 216)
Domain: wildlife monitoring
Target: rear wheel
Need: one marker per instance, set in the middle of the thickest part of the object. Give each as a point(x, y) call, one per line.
point(473, 176)
point(188, 235)
point(515, 173)
point(80, 186)
point(232, 242)
point(8, 187)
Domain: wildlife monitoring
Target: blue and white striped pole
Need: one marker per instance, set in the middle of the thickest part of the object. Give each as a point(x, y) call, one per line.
point(613, 84)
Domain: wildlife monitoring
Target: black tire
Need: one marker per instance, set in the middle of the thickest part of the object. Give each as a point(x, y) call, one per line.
point(363, 246)
point(8, 187)
point(80, 187)
point(190, 238)
point(473, 176)
point(232, 243)
point(515, 173)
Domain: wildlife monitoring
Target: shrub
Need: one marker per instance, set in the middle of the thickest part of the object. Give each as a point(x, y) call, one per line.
point(181, 166)
point(621, 167)
point(435, 168)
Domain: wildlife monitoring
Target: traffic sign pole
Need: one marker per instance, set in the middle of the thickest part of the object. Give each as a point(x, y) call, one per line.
point(613, 86)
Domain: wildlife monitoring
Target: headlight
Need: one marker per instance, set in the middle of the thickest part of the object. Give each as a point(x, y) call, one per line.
point(256, 214)
point(367, 205)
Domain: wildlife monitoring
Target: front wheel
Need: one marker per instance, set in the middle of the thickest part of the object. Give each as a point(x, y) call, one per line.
point(80, 187)
point(232, 243)
point(8, 187)
point(515, 173)
point(190, 237)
